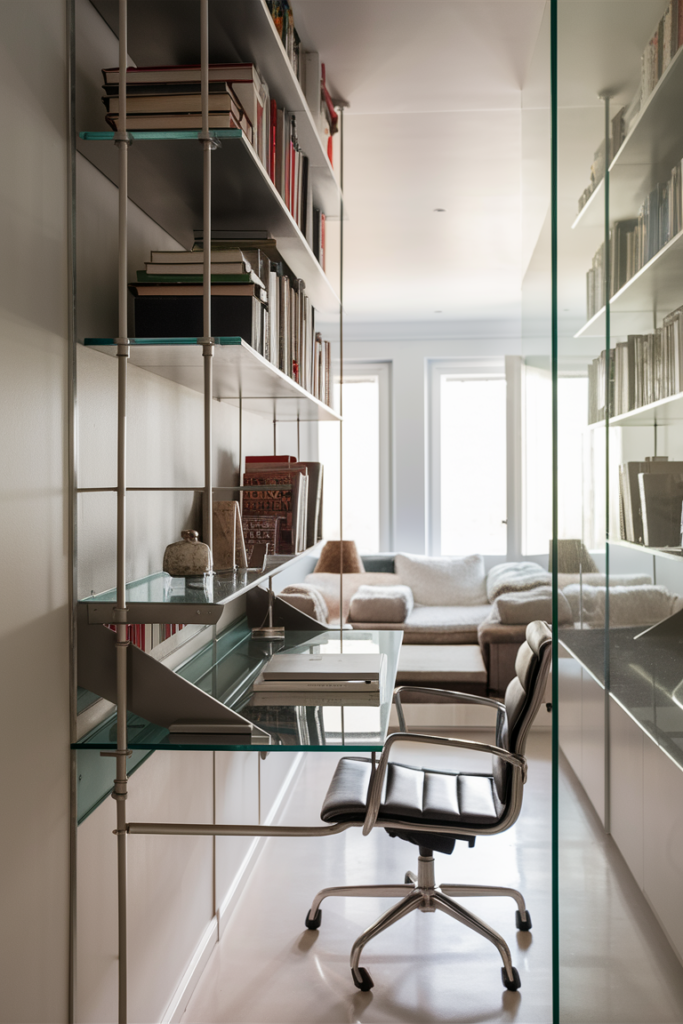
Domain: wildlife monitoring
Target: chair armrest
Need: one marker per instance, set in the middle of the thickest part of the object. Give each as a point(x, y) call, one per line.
point(517, 761)
point(469, 698)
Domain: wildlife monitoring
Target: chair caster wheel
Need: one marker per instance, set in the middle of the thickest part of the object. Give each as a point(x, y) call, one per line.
point(362, 979)
point(513, 985)
point(523, 926)
point(314, 922)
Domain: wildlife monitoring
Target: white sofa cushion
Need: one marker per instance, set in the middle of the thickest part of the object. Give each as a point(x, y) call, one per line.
point(527, 606)
point(306, 598)
point(328, 584)
point(447, 618)
point(381, 604)
point(443, 581)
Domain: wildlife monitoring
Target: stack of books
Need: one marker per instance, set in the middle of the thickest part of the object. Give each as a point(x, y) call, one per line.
point(169, 98)
point(317, 678)
point(643, 369)
point(168, 297)
point(253, 296)
point(285, 508)
point(290, 340)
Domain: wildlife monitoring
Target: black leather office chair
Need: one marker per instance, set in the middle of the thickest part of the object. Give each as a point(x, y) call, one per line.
point(432, 809)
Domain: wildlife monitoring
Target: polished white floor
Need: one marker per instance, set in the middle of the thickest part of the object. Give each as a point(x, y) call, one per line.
point(268, 968)
point(617, 967)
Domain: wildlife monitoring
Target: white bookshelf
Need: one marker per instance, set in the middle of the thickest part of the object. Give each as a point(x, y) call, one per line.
point(641, 304)
point(646, 155)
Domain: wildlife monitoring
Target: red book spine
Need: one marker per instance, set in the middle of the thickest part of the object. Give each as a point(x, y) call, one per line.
point(273, 138)
point(292, 171)
point(286, 459)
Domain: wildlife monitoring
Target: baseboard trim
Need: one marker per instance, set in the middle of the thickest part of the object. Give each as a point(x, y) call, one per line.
point(212, 933)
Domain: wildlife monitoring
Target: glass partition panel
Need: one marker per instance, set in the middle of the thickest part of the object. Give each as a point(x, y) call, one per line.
point(619, 447)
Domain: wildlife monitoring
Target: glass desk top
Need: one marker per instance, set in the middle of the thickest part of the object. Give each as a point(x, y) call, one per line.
point(227, 670)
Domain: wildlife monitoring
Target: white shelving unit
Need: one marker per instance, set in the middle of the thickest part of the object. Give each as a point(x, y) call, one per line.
point(655, 414)
point(646, 155)
point(241, 376)
point(642, 303)
point(181, 185)
point(673, 553)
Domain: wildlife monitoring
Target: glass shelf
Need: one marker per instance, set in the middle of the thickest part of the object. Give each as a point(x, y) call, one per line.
point(239, 373)
point(165, 180)
point(164, 598)
point(227, 672)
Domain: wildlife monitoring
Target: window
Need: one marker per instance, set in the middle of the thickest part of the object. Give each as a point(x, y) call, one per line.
point(468, 459)
point(572, 413)
point(367, 459)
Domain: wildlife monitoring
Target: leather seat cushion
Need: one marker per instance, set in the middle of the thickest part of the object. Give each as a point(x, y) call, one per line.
point(412, 794)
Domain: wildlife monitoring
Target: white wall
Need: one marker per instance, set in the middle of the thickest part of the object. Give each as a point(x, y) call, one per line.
point(34, 616)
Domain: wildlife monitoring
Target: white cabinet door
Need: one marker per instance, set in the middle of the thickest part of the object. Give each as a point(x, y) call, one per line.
point(569, 715)
point(626, 787)
point(663, 841)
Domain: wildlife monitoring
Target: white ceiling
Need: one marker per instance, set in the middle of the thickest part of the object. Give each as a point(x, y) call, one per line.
point(434, 88)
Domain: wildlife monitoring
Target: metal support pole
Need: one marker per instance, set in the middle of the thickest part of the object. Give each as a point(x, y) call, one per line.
point(207, 342)
point(341, 371)
point(274, 435)
point(298, 439)
point(608, 413)
point(120, 793)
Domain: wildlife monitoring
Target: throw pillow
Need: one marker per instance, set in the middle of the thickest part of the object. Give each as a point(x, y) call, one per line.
point(514, 576)
point(443, 580)
point(381, 604)
point(527, 606)
point(307, 599)
point(328, 585)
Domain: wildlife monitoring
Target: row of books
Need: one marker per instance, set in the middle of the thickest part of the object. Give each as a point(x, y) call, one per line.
point(283, 16)
point(661, 49)
point(169, 98)
point(284, 509)
point(658, 54)
point(651, 502)
point(253, 296)
point(643, 369)
point(634, 242)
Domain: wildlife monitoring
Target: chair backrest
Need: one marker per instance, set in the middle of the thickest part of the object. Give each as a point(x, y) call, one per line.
point(523, 698)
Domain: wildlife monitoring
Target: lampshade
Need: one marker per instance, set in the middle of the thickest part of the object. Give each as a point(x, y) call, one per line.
point(335, 552)
point(572, 556)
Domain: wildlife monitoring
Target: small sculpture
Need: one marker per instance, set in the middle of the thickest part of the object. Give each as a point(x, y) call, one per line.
point(188, 557)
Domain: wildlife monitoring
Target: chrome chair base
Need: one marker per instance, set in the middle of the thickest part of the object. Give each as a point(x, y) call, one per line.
point(420, 892)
